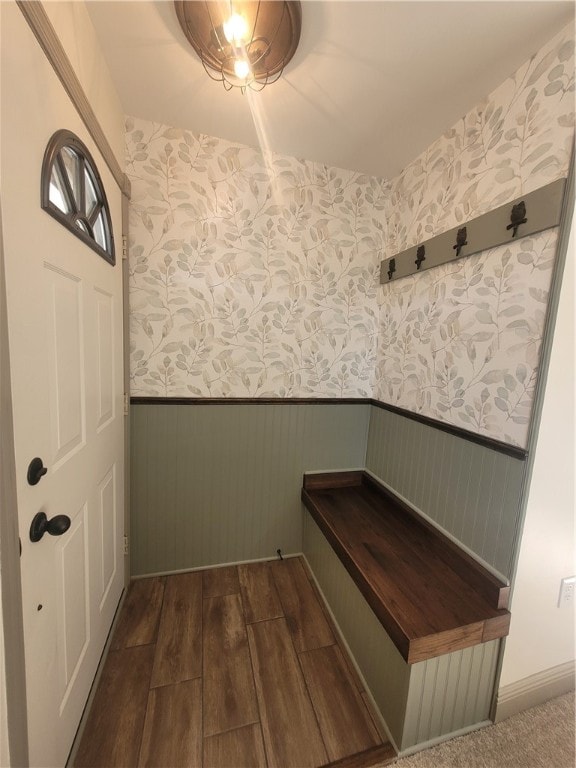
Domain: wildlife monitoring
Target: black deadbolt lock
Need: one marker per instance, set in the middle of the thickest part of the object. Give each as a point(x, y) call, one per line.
point(36, 471)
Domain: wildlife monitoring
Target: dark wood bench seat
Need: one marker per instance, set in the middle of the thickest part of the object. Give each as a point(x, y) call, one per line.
point(430, 596)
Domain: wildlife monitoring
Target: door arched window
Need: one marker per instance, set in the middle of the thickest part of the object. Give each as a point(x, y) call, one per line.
point(73, 193)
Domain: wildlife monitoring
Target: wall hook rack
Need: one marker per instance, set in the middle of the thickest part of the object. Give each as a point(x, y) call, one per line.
point(494, 228)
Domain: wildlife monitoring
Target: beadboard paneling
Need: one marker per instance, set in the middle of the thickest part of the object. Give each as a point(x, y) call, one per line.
point(384, 670)
point(214, 484)
point(471, 491)
point(418, 702)
point(450, 693)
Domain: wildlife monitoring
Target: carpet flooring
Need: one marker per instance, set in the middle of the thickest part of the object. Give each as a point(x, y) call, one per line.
point(542, 737)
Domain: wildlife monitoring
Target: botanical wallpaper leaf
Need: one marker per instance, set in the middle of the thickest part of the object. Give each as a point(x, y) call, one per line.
point(256, 275)
point(251, 276)
point(460, 343)
point(518, 140)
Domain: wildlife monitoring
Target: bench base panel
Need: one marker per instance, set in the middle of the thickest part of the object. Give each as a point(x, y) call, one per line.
point(432, 700)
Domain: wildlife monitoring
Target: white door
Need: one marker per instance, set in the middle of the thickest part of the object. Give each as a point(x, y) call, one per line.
point(65, 329)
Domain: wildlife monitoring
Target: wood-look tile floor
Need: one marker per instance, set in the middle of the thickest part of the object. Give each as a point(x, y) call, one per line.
point(234, 667)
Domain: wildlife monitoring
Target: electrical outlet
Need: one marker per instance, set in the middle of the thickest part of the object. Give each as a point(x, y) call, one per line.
point(567, 590)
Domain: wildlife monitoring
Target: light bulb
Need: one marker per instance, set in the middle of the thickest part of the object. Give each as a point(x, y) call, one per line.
point(241, 69)
point(236, 29)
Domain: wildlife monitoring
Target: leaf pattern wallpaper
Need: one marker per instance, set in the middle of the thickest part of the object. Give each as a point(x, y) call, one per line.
point(256, 275)
point(251, 276)
point(461, 342)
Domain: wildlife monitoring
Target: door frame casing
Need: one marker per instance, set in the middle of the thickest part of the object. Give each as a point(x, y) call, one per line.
point(126, 373)
point(38, 21)
point(12, 621)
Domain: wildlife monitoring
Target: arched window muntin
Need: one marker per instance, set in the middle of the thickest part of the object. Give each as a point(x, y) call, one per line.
point(73, 193)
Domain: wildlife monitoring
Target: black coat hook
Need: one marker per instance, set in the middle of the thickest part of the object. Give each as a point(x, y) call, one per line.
point(461, 241)
point(391, 268)
point(420, 256)
point(517, 217)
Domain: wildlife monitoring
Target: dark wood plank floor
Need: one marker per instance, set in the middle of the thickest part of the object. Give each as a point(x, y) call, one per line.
point(235, 667)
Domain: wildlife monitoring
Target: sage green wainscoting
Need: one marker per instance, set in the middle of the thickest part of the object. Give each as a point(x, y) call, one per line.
point(217, 483)
point(471, 491)
point(214, 484)
point(220, 483)
point(421, 702)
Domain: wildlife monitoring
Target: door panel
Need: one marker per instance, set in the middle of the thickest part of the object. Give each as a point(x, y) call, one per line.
point(105, 373)
point(74, 612)
point(67, 396)
point(108, 526)
point(65, 330)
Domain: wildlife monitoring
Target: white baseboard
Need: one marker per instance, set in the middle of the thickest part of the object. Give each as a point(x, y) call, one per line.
point(285, 556)
point(534, 690)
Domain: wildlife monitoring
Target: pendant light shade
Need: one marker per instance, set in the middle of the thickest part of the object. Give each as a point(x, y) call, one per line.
point(243, 44)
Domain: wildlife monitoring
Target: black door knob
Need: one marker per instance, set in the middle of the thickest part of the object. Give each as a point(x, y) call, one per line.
point(40, 525)
point(36, 471)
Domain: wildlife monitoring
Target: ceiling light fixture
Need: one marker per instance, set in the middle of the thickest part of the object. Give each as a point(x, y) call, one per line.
point(242, 43)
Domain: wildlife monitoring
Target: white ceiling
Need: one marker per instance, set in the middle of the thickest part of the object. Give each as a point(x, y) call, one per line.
point(372, 84)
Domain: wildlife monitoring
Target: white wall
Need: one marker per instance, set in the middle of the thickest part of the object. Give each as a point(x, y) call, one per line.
point(75, 31)
point(541, 634)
